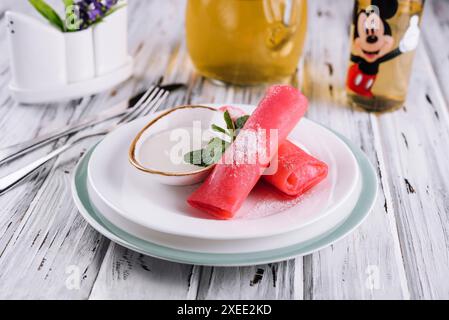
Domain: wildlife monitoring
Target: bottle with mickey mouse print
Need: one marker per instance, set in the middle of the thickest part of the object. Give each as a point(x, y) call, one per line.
point(385, 34)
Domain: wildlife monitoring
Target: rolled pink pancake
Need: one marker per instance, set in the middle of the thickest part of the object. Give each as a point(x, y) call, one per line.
point(297, 170)
point(230, 182)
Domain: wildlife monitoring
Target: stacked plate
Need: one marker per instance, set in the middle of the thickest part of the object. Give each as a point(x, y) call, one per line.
point(154, 219)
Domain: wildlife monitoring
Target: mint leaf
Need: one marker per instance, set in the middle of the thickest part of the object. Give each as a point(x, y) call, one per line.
point(219, 129)
point(213, 151)
point(209, 154)
point(230, 125)
point(240, 122)
point(195, 157)
point(216, 146)
point(228, 120)
point(48, 13)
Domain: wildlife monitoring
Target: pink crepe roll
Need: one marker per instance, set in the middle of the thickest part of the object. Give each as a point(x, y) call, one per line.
point(227, 187)
point(297, 171)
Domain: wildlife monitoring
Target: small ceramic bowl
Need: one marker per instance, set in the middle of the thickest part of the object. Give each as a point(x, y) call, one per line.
point(178, 117)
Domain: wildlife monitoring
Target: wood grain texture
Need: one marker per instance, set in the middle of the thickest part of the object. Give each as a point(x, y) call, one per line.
point(346, 269)
point(415, 147)
point(126, 274)
point(41, 233)
point(436, 32)
point(45, 244)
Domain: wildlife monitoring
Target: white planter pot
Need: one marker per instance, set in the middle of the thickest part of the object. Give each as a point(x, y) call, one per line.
point(49, 65)
point(111, 42)
point(79, 55)
point(37, 53)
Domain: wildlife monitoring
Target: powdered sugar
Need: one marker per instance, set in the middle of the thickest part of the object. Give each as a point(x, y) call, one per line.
point(265, 201)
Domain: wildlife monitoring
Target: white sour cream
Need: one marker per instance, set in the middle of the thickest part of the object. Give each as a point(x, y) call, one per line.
point(164, 151)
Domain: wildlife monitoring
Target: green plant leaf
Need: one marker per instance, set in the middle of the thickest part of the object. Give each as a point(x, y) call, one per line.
point(48, 13)
point(228, 120)
point(240, 122)
point(67, 3)
point(213, 151)
point(230, 125)
point(195, 157)
point(209, 155)
point(215, 148)
point(219, 129)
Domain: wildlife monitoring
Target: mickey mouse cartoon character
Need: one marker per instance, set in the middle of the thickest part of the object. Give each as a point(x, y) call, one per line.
point(373, 42)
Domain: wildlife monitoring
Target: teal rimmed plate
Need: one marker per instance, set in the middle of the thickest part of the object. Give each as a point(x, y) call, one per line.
point(98, 222)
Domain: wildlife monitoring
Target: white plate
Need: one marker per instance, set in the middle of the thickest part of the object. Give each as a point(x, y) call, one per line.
point(357, 216)
point(161, 208)
point(237, 246)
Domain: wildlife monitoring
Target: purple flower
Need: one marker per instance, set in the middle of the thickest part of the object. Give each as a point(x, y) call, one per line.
point(91, 11)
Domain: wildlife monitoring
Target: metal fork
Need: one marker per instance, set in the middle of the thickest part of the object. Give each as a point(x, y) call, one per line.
point(13, 152)
point(150, 102)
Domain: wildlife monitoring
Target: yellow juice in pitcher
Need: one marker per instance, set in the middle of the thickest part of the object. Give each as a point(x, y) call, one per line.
point(385, 34)
point(246, 41)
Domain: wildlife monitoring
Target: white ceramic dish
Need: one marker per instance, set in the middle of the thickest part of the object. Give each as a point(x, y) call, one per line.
point(160, 208)
point(73, 90)
point(180, 117)
point(311, 231)
point(356, 217)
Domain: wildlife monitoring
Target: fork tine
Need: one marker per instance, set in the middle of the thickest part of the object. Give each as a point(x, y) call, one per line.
point(144, 106)
point(152, 104)
point(148, 105)
point(138, 106)
point(158, 103)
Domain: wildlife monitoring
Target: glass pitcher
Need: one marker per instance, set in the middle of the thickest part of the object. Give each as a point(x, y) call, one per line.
point(246, 41)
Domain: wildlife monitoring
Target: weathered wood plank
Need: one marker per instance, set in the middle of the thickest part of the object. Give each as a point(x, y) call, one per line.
point(343, 270)
point(45, 244)
point(272, 281)
point(49, 240)
point(126, 274)
point(435, 34)
point(41, 232)
point(415, 147)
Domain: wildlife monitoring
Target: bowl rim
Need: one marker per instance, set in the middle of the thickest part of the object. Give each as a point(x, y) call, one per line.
point(132, 149)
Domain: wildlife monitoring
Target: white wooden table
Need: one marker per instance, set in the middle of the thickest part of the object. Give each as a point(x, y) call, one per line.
point(401, 251)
